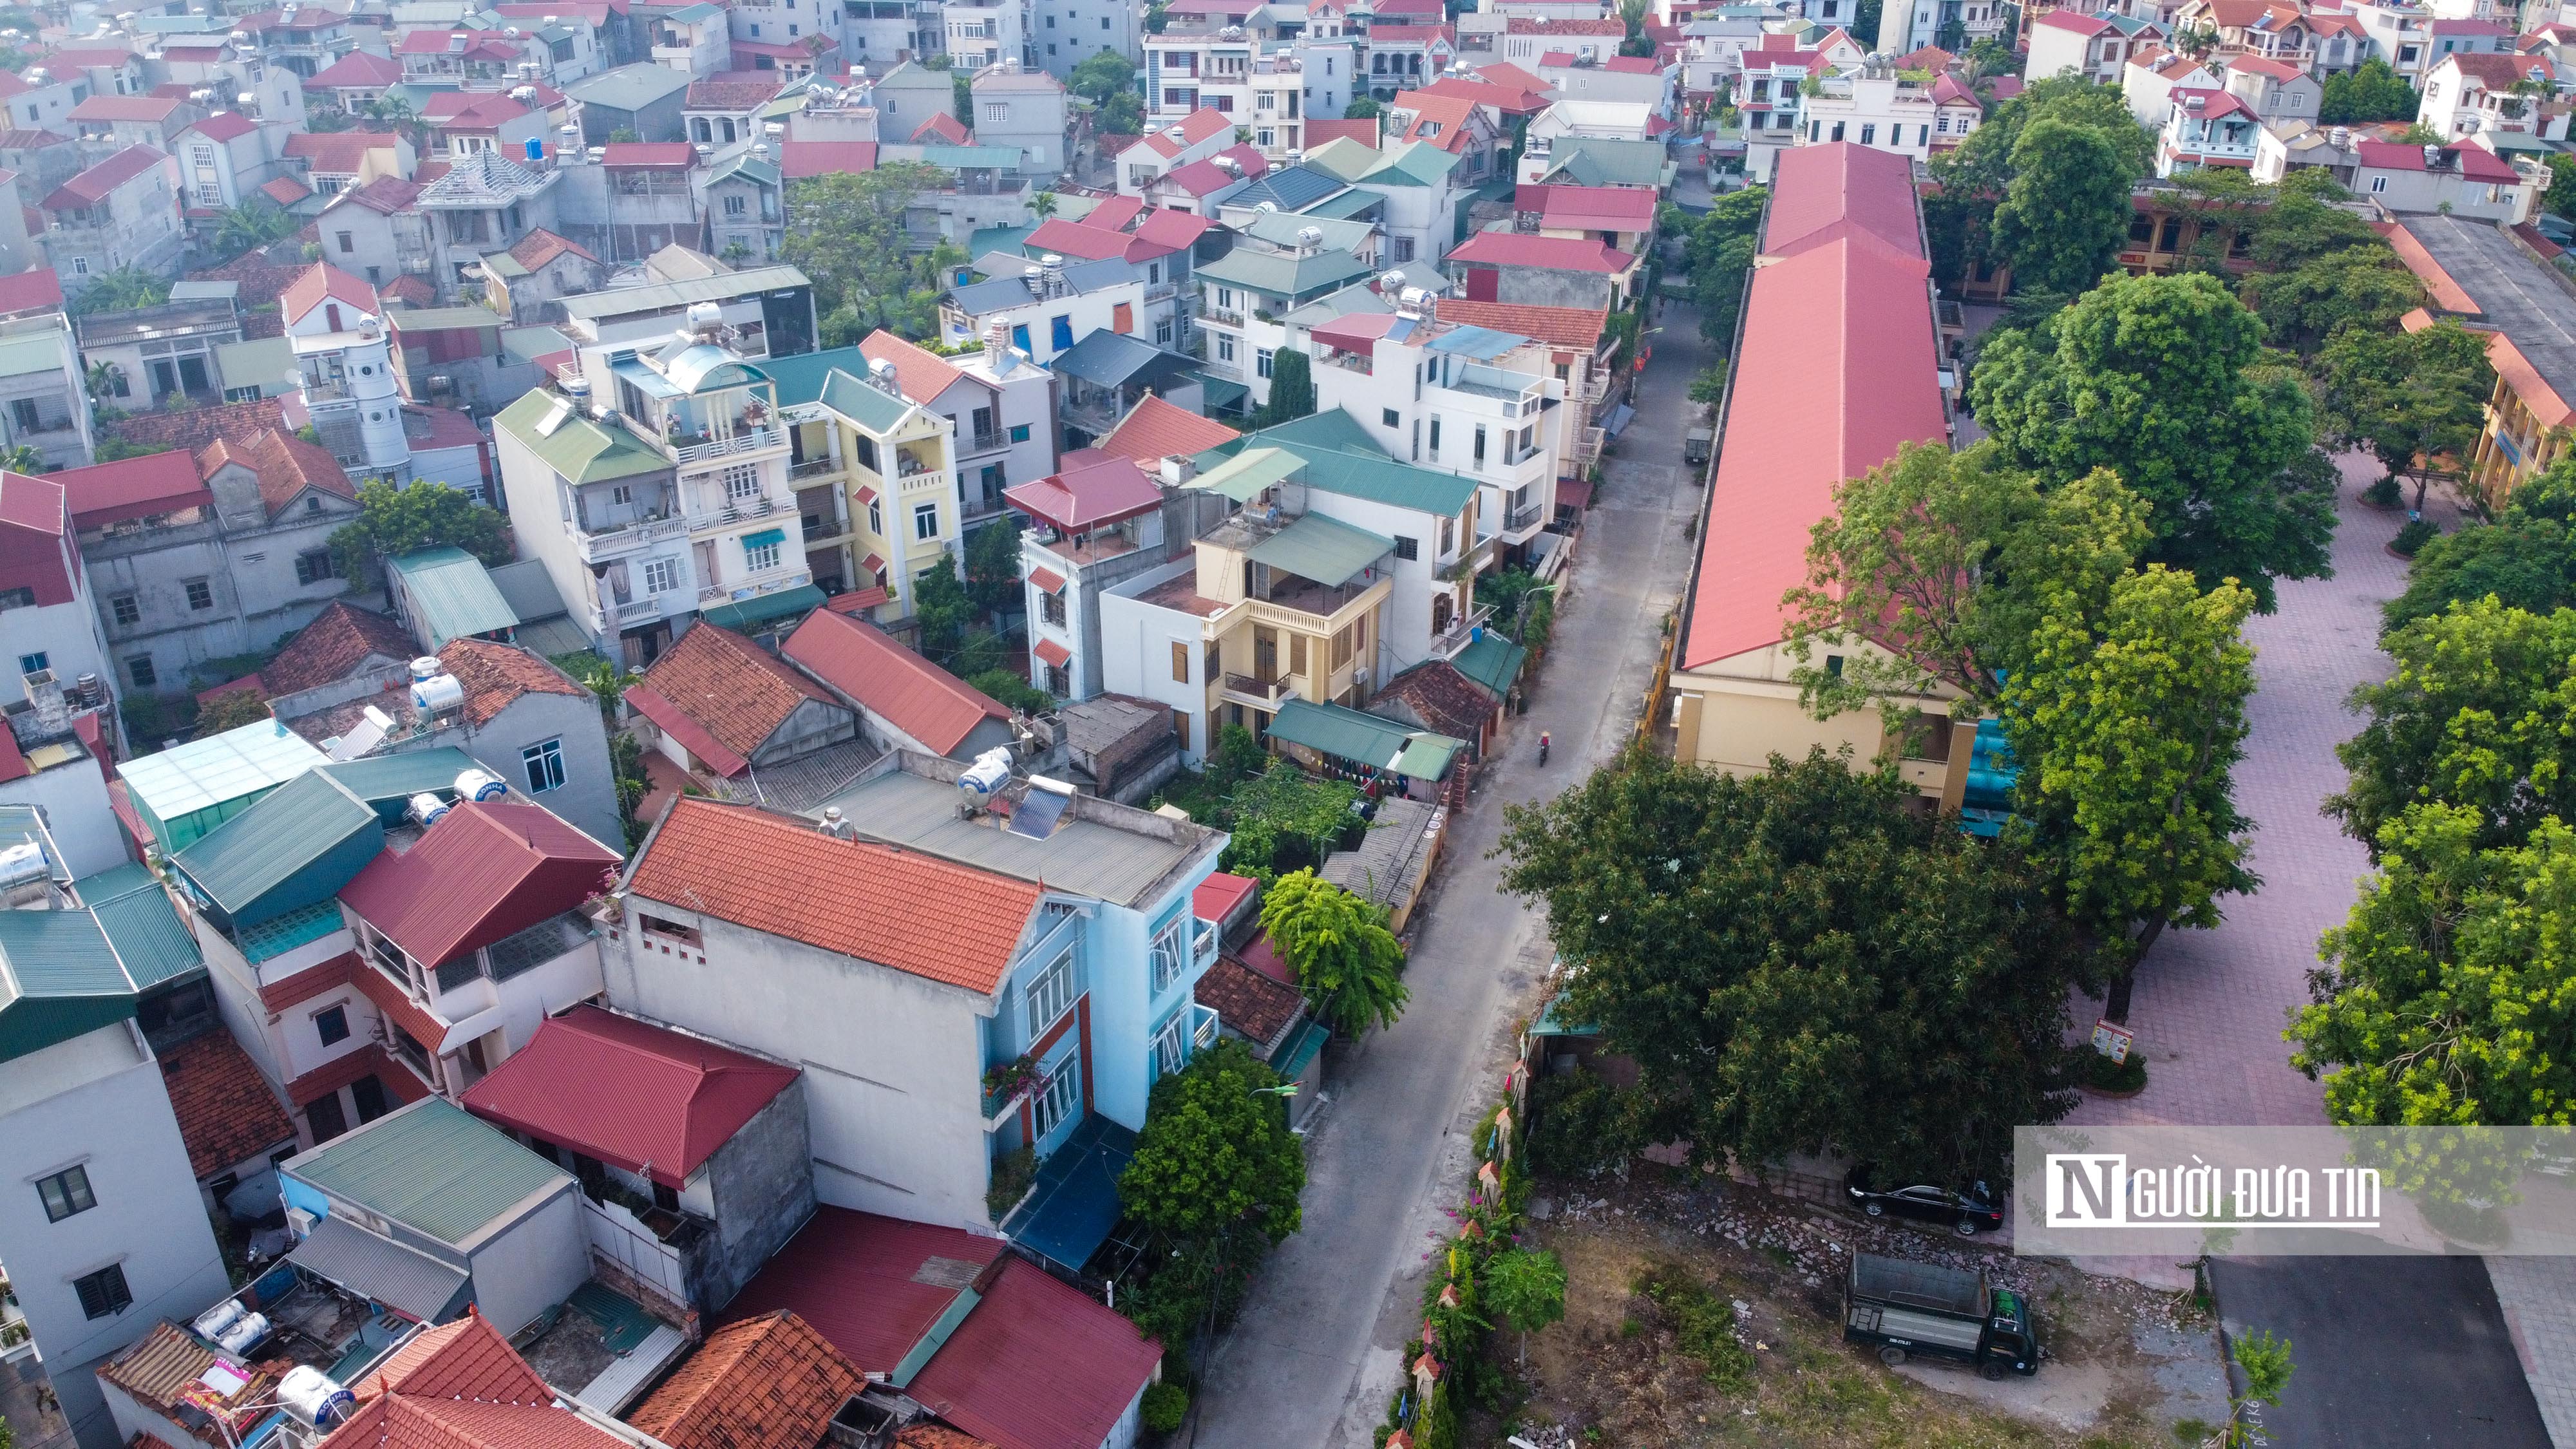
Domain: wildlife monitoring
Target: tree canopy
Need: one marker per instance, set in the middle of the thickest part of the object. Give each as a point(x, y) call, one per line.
point(1103, 74)
point(1292, 389)
point(2416, 400)
point(2480, 714)
point(1362, 108)
point(2526, 558)
point(2163, 380)
point(2066, 212)
point(1798, 958)
point(1975, 177)
point(2373, 92)
point(2127, 726)
point(1348, 963)
point(1217, 1175)
point(845, 230)
point(394, 521)
point(1717, 251)
point(122, 290)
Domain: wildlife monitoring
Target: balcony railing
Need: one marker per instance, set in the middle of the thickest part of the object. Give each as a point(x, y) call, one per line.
point(1266, 693)
point(1461, 633)
point(1203, 1022)
point(1525, 516)
point(609, 542)
point(749, 440)
point(737, 510)
point(987, 442)
point(814, 468)
point(1204, 940)
point(1161, 291)
point(636, 611)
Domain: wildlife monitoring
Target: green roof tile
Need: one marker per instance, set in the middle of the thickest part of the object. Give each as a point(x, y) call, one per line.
point(581, 450)
point(1491, 661)
point(1365, 739)
point(451, 595)
point(430, 1167)
point(300, 822)
point(1281, 275)
point(1321, 548)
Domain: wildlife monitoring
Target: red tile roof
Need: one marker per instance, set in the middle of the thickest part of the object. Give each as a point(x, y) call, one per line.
point(798, 160)
point(30, 291)
point(911, 693)
point(125, 108)
point(923, 375)
point(734, 92)
point(1166, 231)
point(322, 282)
point(471, 111)
point(96, 184)
point(336, 153)
point(194, 429)
point(467, 1358)
point(1504, 99)
point(1154, 430)
point(340, 638)
point(496, 675)
point(721, 696)
point(1439, 117)
point(1087, 496)
point(1524, 25)
point(1837, 190)
point(1195, 127)
point(1248, 1001)
point(1078, 239)
point(1839, 366)
point(285, 465)
point(780, 875)
point(227, 1114)
point(1552, 253)
point(1589, 208)
point(88, 56)
point(285, 190)
point(941, 127)
point(541, 246)
point(487, 869)
point(769, 1382)
point(223, 126)
point(1321, 130)
point(356, 69)
point(105, 493)
point(654, 155)
point(461, 1386)
point(2494, 71)
point(637, 1096)
point(2475, 163)
point(1558, 326)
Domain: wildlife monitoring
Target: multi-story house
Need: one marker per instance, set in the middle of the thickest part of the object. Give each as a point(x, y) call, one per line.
point(1488, 408)
point(111, 70)
point(1548, 271)
point(1193, 136)
point(647, 100)
point(2094, 47)
point(2276, 90)
point(982, 33)
point(122, 212)
point(1953, 25)
point(376, 232)
point(1078, 281)
point(1524, 39)
point(1016, 106)
point(331, 162)
point(1202, 68)
point(105, 125)
point(44, 389)
point(483, 203)
point(1245, 297)
point(462, 123)
point(2399, 32)
point(223, 159)
point(1404, 57)
point(104, 1231)
point(54, 679)
point(999, 404)
point(1096, 524)
point(474, 60)
point(1010, 995)
point(1885, 112)
point(1771, 101)
point(770, 310)
point(2469, 95)
point(2206, 128)
point(2463, 181)
point(2153, 75)
point(302, 39)
point(1069, 32)
point(335, 323)
point(743, 198)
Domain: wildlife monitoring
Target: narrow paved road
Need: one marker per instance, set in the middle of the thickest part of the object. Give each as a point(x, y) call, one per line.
point(1317, 1355)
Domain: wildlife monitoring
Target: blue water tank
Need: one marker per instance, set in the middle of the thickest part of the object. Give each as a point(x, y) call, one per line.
point(536, 148)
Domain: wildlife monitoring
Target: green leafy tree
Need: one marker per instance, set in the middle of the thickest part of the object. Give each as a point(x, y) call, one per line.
point(1717, 251)
point(2065, 215)
point(2560, 199)
point(1012, 692)
point(2444, 993)
point(993, 567)
point(2480, 714)
point(1292, 389)
point(1216, 1177)
point(1362, 108)
point(1935, 569)
point(240, 228)
point(1800, 958)
point(2163, 380)
point(2265, 1361)
point(943, 608)
point(1103, 74)
point(20, 458)
point(1708, 385)
point(2374, 92)
point(2362, 288)
point(1157, 16)
point(1975, 177)
point(1525, 1287)
point(962, 98)
point(122, 290)
point(230, 710)
point(846, 232)
point(1122, 115)
point(1348, 963)
point(2526, 558)
point(2417, 400)
point(2127, 727)
point(395, 521)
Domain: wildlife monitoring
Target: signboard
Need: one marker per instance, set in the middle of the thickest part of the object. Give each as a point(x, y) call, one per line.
point(2112, 1040)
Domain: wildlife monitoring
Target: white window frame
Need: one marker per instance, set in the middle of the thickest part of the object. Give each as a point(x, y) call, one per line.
point(757, 557)
point(1058, 1097)
point(925, 522)
point(661, 575)
point(1172, 1044)
point(1050, 994)
point(543, 764)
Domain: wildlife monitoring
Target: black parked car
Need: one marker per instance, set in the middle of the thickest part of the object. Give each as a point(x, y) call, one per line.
point(1970, 1213)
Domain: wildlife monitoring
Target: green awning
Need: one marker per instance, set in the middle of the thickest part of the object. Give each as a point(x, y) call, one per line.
point(1324, 549)
point(764, 538)
point(745, 614)
point(1364, 739)
point(1298, 1052)
point(1243, 476)
point(1221, 395)
point(1492, 661)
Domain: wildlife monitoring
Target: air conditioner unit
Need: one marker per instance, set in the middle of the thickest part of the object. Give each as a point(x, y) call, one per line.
point(300, 1223)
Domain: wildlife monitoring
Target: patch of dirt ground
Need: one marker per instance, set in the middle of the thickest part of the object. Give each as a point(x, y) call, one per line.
point(1661, 1271)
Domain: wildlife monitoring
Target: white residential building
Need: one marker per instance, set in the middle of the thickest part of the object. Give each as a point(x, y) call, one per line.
point(2277, 91)
point(2094, 47)
point(2472, 95)
point(1000, 405)
point(1881, 112)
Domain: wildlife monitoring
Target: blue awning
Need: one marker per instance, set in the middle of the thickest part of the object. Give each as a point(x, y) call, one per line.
point(1068, 1215)
point(764, 538)
point(1618, 419)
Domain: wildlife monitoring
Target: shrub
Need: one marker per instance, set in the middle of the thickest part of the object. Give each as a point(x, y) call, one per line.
point(1581, 1126)
point(2105, 1075)
point(1703, 1327)
point(2417, 533)
point(1013, 1171)
point(2384, 493)
point(1166, 1405)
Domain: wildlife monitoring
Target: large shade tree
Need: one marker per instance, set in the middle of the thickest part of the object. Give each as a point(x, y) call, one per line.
point(2066, 212)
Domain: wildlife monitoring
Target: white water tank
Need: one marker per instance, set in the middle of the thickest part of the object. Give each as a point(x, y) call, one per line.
point(478, 785)
point(990, 772)
point(426, 807)
point(427, 667)
point(309, 1394)
point(437, 694)
point(215, 1320)
point(246, 1330)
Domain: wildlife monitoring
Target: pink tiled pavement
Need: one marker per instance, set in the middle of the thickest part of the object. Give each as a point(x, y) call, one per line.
point(2210, 1005)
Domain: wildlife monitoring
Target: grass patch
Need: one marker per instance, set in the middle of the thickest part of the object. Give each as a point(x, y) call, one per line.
point(1703, 1326)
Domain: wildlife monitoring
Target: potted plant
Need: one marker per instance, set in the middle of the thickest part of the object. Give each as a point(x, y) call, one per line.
point(1007, 1080)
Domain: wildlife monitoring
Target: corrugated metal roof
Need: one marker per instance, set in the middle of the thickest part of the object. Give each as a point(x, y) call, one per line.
point(144, 928)
point(58, 953)
point(217, 770)
point(1492, 661)
point(529, 590)
point(33, 353)
point(373, 1267)
point(1083, 857)
point(432, 1167)
point(1243, 476)
point(253, 853)
point(1364, 739)
point(663, 296)
point(581, 450)
point(451, 596)
point(388, 781)
point(863, 403)
point(1324, 549)
point(1280, 274)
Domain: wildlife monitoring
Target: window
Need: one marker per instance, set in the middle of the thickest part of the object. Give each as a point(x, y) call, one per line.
point(65, 1193)
point(1051, 608)
point(996, 110)
point(125, 610)
point(140, 670)
point(1163, 334)
point(742, 481)
point(103, 1294)
point(348, 242)
point(1480, 458)
point(1180, 662)
point(317, 565)
point(201, 593)
point(876, 518)
point(1406, 547)
point(1261, 362)
point(925, 521)
point(1225, 347)
point(1868, 135)
point(1211, 658)
point(333, 1025)
point(22, 411)
point(545, 766)
point(1169, 954)
point(1060, 332)
point(1171, 1046)
point(661, 575)
point(733, 206)
point(1058, 1098)
point(1050, 995)
point(868, 456)
point(30, 663)
point(326, 1117)
point(1389, 417)
point(758, 556)
point(2379, 183)
point(1019, 432)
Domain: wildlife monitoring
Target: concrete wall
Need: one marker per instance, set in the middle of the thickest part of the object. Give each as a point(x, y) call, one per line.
point(248, 567)
point(588, 796)
point(762, 1187)
point(1135, 655)
point(149, 1221)
point(810, 726)
point(534, 1263)
point(74, 797)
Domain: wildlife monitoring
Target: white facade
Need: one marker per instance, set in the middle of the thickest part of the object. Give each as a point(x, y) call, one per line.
point(147, 1226)
point(1882, 113)
point(1069, 32)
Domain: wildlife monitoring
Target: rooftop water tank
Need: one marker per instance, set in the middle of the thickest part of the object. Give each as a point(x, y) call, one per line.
point(990, 772)
point(477, 785)
point(437, 694)
point(427, 667)
point(246, 1330)
point(310, 1395)
point(425, 808)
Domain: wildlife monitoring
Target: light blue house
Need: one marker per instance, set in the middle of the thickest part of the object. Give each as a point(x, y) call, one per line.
point(984, 987)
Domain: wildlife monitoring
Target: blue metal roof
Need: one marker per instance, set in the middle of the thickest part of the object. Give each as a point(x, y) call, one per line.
point(1481, 343)
point(1069, 1214)
point(1293, 188)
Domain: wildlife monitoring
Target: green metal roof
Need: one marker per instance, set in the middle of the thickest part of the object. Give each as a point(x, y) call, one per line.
point(748, 167)
point(1365, 739)
point(663, 296)
point(59, 953)
point(1280, 228)
point(1324, 549)
point(1341, 458)
point(451, 596)
point(527, 344)
point(1606, 161)
point(581, 450)
point(1346, 206)
point(1219, 394)
point(142, 926)
point(747, 614)
point(1549, 1023)
point(1334, 429)
point(430, 1167)
point(1281, 275)
point(442, 319)
point(1492, 661)
point(864, 403)
point(208, 774)
point(966, 158)
point(387, 782)
point(799, 379)
point(32, 353)
point(255, 852)
point(629, 87)
point(1411, 163)
point(1344, 157)
point(1299, 1051)
point(1243, 476)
